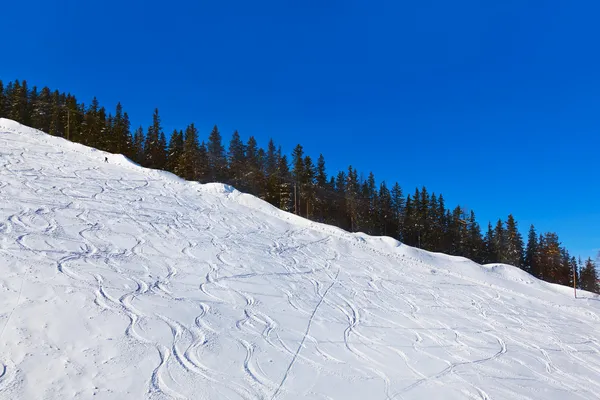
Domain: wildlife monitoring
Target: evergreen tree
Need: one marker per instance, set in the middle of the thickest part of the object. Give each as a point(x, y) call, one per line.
point(155, 144)
point(475, 247)
point(489, 245)
point(286, 191)
point(237, 161)
point(589, 277)
point(397, 215)
point(272, 159)
point(42, 110)
point(500, 242)
point(308, 186)
point(174, 152)
point(31, 101)
point(550, 257)
point(321, 176)
point(217, 160)
point(273, 188)
point(138, 146)
point(531, 253)
point(122, 142)
point(514, 244)
point(203, 171)
point(410, 234)
point(297, 174)
point(2, 100)
point(188, 165)
point(386, 221)
point(16, 101)
point(254, 175)
point(352, 192)
point(574, 271)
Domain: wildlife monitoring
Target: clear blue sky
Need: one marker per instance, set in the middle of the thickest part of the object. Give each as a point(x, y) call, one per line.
point(494, 104)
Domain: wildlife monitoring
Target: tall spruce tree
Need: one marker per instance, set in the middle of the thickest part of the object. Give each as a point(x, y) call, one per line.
point(514, 244)
point(138, 146)
point(154, 146)
point(2, 100)
point(237, 161)
point(589, 277)
point(188, 165)
point(174, 152)
point(531, 253)
point(217, 160)
point(254, 175)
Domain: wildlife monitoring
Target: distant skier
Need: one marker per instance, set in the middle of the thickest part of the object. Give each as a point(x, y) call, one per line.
point(105, 159)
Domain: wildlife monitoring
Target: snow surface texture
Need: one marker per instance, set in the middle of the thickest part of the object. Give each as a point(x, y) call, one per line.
point(122, 282)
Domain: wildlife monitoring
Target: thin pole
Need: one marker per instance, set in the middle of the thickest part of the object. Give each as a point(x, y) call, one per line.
point(295, 201)
point(574, 282)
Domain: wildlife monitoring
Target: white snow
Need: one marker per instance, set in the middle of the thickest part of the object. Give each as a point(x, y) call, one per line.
point(119, 282)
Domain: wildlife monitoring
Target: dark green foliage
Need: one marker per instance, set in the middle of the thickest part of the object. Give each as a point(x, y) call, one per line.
point(588, 277)
point(174, 151)
point(531, 253)
point(188, 163)
point(237, 161)
point(138, 146)
point(155, 145)
point(122, 141)
point(345, 199)
point(2, 100)
point(216, 157)
point(514, 244)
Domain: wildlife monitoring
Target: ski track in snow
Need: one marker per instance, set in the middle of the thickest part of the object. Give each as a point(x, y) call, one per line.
point(121, 282)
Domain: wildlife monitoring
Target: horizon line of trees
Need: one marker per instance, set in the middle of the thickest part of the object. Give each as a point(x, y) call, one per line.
point(299, 184)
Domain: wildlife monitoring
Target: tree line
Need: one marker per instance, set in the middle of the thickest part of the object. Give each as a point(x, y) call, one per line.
point(299, 184)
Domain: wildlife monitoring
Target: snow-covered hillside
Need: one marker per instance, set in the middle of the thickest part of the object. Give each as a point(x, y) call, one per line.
point(118, 282)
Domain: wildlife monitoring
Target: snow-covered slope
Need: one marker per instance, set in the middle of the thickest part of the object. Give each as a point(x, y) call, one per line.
point(118, 282)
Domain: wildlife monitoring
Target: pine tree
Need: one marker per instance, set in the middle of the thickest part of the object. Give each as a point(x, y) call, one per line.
point(16, 101)
point(237, 161)
point(500, 242)
point(386, 222)
point(489, 245)
point(286, 191)
point(397, 215)
point(574, 269)
point(203, 172)
point(138, 146)
point(410, 235)
point(188, 165)
point(2, 100)
point(216, 157)
point(122, 142)
point(174, 152)
point(297, 174)
point(550, 257)
point(352, 191)
point(32, 101)
point(589, 277)
point(341, 215)
point(531, 253)
point(273, 188)
point(254, 175)
point(514, 244)
point(308, 186)
point(42, 111)
point(475, 248)
point(272, 159)
point(155, 145)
